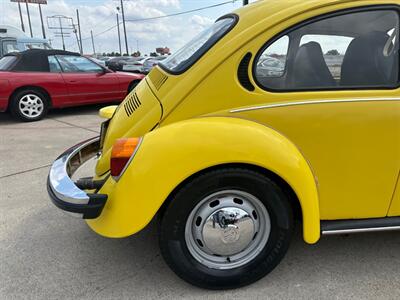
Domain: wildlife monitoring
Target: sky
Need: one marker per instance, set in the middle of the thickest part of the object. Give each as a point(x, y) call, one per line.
point(100, 15)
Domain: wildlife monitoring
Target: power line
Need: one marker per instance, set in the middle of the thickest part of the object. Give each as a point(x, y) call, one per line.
point(181, 13)
point(162, 17)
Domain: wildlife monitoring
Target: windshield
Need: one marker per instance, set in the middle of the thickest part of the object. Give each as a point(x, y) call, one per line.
point(9, 47)
point(6, 62)
point(184, 58)
point(36, 45)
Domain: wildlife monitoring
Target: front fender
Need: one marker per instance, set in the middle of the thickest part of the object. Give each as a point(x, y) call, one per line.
point(171, 154)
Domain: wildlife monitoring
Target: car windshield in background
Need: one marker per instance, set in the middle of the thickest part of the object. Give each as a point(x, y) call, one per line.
point(10, 47)
point(184, 58)
point(36, 46)
point(6, 62)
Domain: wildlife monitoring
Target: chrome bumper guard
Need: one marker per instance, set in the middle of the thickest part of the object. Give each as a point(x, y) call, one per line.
point(63, 191)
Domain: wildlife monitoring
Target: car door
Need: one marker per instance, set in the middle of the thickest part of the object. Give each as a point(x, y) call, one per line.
point(395, 207)
point(88, 82)
point(339, 76)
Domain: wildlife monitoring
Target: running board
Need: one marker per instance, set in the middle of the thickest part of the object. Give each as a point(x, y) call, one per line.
point(361, 225)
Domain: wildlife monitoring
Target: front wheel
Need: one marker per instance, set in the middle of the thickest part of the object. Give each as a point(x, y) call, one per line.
point(226, 229)
point(29, 105)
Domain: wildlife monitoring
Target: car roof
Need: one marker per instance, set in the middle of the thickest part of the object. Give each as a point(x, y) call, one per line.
point(42, 52)
point(275, 6)
point(121, 58)
point(35, 59)
point(275, 11)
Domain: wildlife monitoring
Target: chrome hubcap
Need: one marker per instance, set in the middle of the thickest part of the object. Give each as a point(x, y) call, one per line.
point(227, 229)
point(31, 106)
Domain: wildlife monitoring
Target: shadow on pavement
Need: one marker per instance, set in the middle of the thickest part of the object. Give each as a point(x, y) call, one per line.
point(6, 118)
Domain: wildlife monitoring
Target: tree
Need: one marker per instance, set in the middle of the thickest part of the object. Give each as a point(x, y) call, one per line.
point(333, 52)
point(153, 54)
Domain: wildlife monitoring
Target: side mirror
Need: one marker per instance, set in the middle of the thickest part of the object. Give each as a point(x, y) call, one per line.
point(105, 71)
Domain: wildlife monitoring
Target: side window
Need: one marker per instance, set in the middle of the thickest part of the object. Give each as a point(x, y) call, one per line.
point(54, 65)
point(78, 64)
point(9, 47)
point(355, 50)
point(333, 49)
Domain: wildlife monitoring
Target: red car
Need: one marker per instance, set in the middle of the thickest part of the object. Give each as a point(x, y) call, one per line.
point(33, 81)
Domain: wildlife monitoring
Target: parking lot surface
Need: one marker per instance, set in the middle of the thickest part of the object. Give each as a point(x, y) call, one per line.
point(45, 254)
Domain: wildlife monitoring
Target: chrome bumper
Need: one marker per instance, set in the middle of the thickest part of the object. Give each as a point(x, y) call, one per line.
point(64, 192)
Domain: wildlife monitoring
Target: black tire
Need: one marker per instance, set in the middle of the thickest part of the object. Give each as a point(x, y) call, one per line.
point(40, 103)
point(172, 228)
point(133, 85)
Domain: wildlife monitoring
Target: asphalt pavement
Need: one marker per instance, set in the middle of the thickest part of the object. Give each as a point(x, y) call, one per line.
point(46, 254)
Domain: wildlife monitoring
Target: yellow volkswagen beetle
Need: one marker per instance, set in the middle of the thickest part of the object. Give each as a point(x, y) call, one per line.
point(279, 109)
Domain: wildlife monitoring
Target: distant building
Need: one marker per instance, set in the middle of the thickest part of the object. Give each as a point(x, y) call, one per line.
point(163, 51)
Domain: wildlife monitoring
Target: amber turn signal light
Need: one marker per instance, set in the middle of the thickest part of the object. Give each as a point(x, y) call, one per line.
point(121, 153)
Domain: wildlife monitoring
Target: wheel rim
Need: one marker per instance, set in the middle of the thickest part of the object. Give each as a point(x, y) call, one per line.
point(227, 229)
point(31, 106)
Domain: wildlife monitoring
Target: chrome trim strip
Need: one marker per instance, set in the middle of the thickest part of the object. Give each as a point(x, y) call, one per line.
point(360, 230)
point(313, 102)
point(60, 182)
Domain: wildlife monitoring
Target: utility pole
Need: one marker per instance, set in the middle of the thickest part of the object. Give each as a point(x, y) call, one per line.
point(245, 2)
point(77, 38)
point(62, 33)
point(123, 21)
point(41, 19)
point(119, 36)
point(94, 50)
point(20, 16)
point(29, 17)
point(79, 30)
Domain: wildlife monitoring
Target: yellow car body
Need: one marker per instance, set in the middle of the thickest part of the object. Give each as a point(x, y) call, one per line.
point(338, 150)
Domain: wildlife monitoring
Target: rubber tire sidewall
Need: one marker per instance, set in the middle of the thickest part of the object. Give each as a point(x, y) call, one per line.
point(172, 229)
point(14, 107)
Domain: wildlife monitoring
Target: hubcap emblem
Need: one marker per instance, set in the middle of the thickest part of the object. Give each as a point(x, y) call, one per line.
point(230, 234)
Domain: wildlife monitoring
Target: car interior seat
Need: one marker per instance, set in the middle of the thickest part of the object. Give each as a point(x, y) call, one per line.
point(310, 69)
point(368, 62)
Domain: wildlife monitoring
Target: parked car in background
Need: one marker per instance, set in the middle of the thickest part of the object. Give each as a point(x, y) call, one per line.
point(97, 61)
point(104, 58)
point(270, 66)
point(117, 63)
point(14, 40)
point(33, 81)
point(150, 63)
point(227, 158)
point(134, 65)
